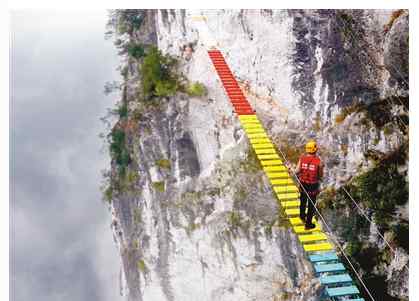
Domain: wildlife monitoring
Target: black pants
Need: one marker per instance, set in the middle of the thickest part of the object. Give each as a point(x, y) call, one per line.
point(313, 190)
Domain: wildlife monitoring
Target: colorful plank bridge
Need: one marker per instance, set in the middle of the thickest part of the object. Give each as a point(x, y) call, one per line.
point(337, 282)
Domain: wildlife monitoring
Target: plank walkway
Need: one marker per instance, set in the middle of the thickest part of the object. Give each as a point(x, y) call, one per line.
point(332, 273)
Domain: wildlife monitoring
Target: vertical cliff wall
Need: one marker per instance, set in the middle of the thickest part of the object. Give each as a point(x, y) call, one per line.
point(193, 215)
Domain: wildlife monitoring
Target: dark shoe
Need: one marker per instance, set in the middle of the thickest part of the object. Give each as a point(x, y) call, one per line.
point(309, 226)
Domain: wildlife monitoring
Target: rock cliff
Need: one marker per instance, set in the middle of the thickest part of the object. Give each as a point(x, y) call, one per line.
point(193, 216)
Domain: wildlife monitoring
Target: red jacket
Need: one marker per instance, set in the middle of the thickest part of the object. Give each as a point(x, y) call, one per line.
point(309, 169)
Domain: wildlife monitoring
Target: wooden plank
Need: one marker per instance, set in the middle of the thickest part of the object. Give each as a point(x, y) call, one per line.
point(300, 229)
point(277, 175)
point(265, 151)
point(290, 204)
point(328, 267)
point(281, 168)
point(260, 140)
point(335, 279)
point(312, 237)
point(268, 157)
point(325, 256)
point(318, 247)
point(287, 181)
point(286, 189)
point(256, 130)
point(271, 162)
point(292, 212)
point(257, 135)
point(287, 196)
point(262, 145)
point(342, 291)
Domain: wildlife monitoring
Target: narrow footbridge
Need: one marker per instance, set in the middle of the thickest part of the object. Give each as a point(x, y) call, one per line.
point(338, 284)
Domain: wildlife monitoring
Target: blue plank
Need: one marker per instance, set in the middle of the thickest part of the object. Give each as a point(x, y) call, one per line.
point(326, 256)
point(333, 279)
point(332, 267)
point(342, 291)
point(357, 299)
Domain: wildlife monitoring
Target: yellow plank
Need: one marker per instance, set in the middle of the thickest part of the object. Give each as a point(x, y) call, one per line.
point(301, 229)
point(286, 189)
point(250, 122)
point(248, 117)
point(253, 126)
point(265, 151)
point(250, 132)
point(268, 157)
point(270, 162)
point(257, 135)
point(262, 145)
point(292, 211)
point(312, 237)
point(260, 140)
point(290, 204)
point(318, 247)
point(277, 175)
point(296, 221)
point(287, 196)
point(288, 181)
point(275, 168)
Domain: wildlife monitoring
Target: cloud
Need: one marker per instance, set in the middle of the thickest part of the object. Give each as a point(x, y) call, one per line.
point(61, 243)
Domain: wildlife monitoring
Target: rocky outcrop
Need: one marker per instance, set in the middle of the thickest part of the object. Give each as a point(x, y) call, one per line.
point(194, 218)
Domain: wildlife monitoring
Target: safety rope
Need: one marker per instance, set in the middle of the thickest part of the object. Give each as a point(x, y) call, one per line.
point(328, 228)
point(371, 222)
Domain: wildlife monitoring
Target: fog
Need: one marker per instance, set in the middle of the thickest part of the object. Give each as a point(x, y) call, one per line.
point(61, 244)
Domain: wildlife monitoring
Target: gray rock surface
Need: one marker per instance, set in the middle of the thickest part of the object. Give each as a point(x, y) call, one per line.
point(208, 226)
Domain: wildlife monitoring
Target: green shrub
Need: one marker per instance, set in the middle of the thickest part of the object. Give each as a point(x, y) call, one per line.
point(118, 150)
point(159, 76)
point(159, 186)
point(353, 248)
point(135, 50)
point(165, 88)
point(234, 219)
point(108, 194)
point(401, 235)
point(163, 163)
point(123, 110)
point(196, 89)
point(141, 265)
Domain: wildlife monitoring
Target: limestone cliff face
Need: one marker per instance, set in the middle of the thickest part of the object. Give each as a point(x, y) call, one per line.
point(199, 221)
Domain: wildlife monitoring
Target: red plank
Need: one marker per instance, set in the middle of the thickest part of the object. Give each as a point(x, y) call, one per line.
point(242, 107)
point(240, 103)
point(245, 112)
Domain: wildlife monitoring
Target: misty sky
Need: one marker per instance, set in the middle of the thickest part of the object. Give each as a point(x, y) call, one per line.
point(61, 242)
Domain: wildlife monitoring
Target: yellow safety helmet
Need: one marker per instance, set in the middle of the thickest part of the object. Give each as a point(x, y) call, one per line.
point(311, 147)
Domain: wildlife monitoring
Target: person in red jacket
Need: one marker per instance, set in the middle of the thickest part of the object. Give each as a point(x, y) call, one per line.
point(310, 172)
